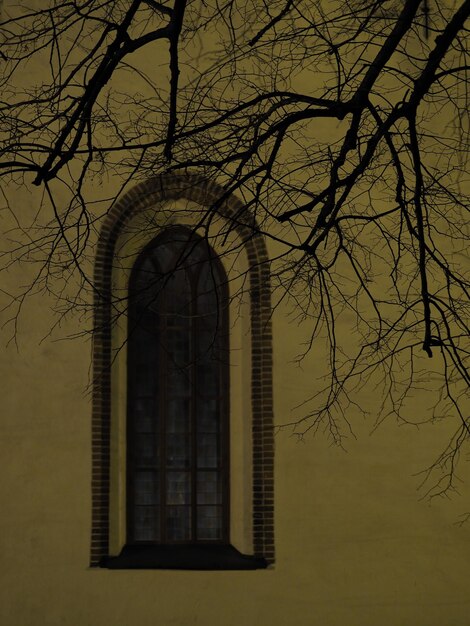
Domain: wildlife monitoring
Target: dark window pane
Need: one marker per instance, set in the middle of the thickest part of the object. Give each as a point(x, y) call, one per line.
point(178, 298)
point(207, 344)
point(178, 453)
point(207, 415)
point(177, 326)
point(178, 523)
point(143, 415)
point(209, 488)
point(179, 382)
point(147, 276)
point(177, 344)
point(207, 301)
point(146, 487)
point(145, 320)
point(149, 308)
point(145, 380)
point(207, 450)
point(178, 415)
point(208, 379)
point(144, 342)
point(165, 253)
point(178, 488)
point(209, 522)
point(146, 523)
point(145, 449)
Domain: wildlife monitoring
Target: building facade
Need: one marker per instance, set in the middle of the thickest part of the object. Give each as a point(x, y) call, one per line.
point(154, 470)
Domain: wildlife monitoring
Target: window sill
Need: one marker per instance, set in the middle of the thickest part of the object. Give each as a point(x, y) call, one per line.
point(187, 557)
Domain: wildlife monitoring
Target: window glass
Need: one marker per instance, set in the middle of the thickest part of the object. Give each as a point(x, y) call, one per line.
point(177, 388)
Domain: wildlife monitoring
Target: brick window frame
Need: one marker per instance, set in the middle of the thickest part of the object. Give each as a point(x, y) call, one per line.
point(207, 194)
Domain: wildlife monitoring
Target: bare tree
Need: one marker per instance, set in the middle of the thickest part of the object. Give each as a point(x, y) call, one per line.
point(342, 125)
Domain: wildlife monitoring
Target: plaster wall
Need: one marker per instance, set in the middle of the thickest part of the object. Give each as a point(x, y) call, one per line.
point(356, 543)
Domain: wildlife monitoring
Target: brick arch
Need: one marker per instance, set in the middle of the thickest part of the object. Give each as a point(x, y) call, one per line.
point(207, 194)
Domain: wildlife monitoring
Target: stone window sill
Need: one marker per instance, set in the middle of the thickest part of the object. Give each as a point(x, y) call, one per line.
point(183, 557)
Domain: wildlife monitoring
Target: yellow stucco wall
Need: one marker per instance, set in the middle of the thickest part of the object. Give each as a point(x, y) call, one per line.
point(356, 543)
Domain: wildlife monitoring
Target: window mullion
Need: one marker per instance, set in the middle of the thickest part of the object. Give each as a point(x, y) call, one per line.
point(193, 356)
point(130, 470)
point(162, 404)
point(223, 408)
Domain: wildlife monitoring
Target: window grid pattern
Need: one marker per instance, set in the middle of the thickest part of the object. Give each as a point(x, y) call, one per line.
point(143, 197)
point(178, 388)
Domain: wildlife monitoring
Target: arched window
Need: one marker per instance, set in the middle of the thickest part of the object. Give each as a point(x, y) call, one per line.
point(182, 470)
point(177, 436)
